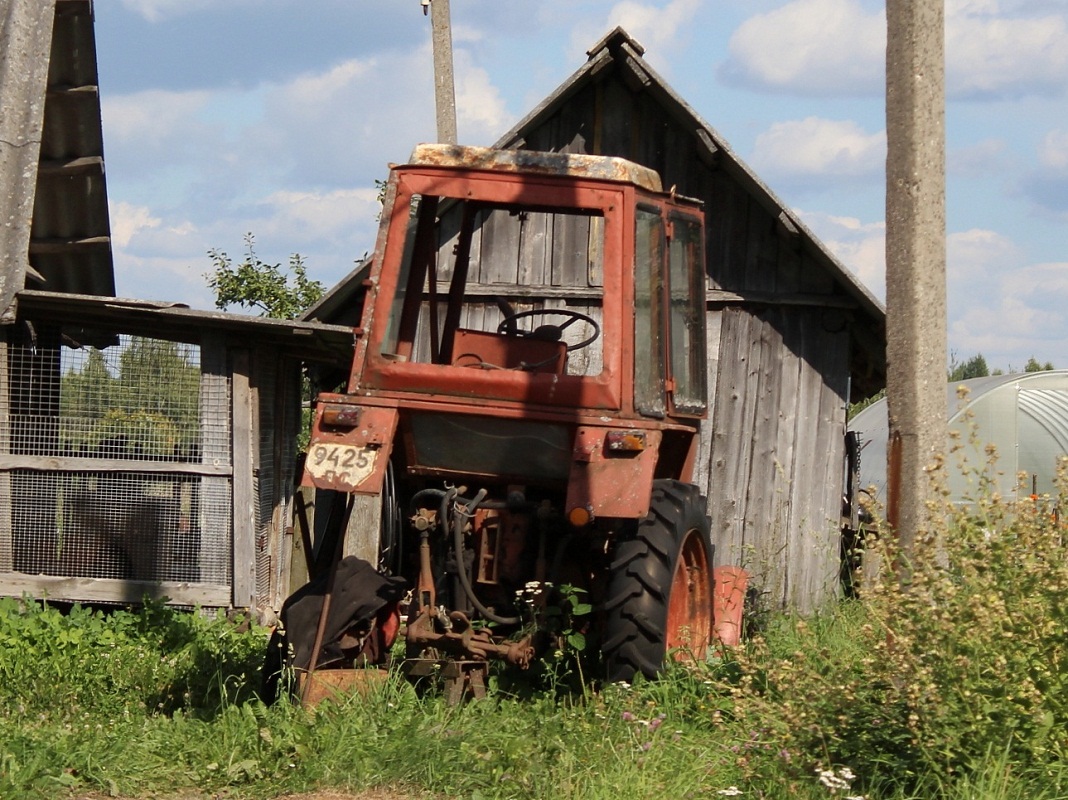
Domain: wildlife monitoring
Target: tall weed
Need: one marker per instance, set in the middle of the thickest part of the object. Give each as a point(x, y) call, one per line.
point(945, 660)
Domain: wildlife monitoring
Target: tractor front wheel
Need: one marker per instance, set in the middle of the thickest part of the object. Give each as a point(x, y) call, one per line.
point(659, 597)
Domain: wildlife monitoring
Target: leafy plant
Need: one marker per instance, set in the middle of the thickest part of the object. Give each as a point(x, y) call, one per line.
point(255, 284)
point(946, 659)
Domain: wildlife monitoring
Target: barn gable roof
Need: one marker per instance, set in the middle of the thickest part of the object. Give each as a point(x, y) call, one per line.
point(620, 49)
point(553, 125)
point(56, 233)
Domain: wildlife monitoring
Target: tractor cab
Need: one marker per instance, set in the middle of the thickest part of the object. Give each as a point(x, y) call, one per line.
point(527, 383)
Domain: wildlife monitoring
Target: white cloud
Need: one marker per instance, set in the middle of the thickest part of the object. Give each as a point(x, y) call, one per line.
point(317, 216)
point(811, 47)
point(1047, 186)
point(481, 115)
point(345, 124)
point(984, 158)
point(819, 149)
point(836, 47)
point(325, 89)
point(163, 10)
point(1053, 151)
point(1015, 326)
point(978, 255)
point(294, 162)
point(127, 220)
point(159, 10)
point(992, 54)
point(165, 260)
point(154, 117)
point(1018, 328)
point(655, 26)
point(1001, 306)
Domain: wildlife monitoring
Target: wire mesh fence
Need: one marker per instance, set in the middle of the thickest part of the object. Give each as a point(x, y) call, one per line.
point(142, 444)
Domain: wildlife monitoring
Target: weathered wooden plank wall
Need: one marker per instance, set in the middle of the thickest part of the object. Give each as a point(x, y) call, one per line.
point(770, 455)
point(776, 452)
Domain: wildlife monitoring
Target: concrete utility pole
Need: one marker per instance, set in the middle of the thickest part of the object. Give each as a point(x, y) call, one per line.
point(915, 259)
point(444, 87)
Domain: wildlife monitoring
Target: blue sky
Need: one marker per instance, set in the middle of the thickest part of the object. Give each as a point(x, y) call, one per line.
point(275, 117)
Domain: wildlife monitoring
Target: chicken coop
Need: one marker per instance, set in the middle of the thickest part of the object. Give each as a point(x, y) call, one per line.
point(148, 450)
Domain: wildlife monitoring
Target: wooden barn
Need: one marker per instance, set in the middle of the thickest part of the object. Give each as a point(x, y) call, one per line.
point(793, 336)
point(146, 449)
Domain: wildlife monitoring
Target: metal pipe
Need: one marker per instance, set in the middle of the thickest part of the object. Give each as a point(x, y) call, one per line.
point(320, 632)
point(465, 580)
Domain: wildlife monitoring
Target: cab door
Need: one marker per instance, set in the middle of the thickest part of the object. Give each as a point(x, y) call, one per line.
point(670, 359)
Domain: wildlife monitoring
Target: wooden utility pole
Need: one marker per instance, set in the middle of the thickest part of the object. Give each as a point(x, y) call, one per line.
point(444, 87)
point(915, 259)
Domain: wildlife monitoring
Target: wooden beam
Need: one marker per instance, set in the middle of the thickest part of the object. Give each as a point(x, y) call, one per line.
point(79, 464)
point(533, 292)
point(68, 90)
point(53, 246)
point(7, 542)
point(243, 492)
point(707, 150)
point(722, 297)
point(108, 590)
point(71, 166)
point(634, 76)
point(786, 225)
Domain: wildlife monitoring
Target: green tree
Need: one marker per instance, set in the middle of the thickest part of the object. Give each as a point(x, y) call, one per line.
point(147, 404)
point(1033, 365)
point(856, 408)
point(254, 284)
point(974, 367)
point(158, 381)
point(85, 395)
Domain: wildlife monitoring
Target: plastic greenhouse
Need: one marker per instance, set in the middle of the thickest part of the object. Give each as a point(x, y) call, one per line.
point(1024, 416)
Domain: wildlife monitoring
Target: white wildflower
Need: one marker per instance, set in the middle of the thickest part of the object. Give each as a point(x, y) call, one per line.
point(840, 781)
point(830, 779)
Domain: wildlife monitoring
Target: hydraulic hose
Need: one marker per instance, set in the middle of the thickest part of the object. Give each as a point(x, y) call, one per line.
point(465, 579)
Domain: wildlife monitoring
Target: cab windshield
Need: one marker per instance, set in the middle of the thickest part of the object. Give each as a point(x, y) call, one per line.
point(508, 281)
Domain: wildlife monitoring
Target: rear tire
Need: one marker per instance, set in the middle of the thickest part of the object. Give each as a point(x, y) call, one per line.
point(660, 586)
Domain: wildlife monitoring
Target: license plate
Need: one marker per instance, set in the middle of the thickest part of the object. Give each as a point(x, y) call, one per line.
point(340, 465)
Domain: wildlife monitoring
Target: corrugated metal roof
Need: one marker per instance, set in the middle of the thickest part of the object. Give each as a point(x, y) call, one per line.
point(56, 232)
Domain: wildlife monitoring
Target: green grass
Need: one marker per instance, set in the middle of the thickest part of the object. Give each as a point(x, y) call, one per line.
point(956, 688)
point(179, 716)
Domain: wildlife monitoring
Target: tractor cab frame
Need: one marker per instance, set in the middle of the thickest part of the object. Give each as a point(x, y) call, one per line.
point(524, 399)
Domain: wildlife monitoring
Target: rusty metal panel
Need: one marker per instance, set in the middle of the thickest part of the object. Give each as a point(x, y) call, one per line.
point(350, 459)
point(339, 685)
point(612, 471)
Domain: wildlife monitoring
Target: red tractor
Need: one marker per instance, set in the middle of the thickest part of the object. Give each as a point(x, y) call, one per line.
point(524, 402)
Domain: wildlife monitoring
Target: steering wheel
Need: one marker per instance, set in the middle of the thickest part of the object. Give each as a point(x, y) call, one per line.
point(547, 332)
